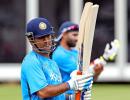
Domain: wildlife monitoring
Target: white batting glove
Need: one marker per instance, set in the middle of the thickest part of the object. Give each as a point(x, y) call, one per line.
point(110, 53)
point(80, 82)
point(87, 95)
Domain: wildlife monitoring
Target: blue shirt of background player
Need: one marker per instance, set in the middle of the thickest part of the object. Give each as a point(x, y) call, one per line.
point(38, 72)
point(67, 62)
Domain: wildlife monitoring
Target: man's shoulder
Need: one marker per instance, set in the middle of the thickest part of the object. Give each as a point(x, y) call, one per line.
point(59, 54)
point(30, 56)
point(59, 51)
point(29, 60)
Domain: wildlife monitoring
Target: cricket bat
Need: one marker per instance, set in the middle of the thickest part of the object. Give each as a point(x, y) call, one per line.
point(84, 16)
point(85, 39)
point(88, 37)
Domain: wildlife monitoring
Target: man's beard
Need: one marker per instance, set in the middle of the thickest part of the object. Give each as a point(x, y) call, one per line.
point(71, 43)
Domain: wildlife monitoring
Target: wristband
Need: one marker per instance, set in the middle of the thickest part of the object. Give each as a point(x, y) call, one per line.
point(68, 85)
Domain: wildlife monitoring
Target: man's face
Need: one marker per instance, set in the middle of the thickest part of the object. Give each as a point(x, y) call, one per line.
point(44, 43)
point(71, 38)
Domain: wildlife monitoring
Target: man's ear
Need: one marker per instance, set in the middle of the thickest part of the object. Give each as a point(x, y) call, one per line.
point(65, 35)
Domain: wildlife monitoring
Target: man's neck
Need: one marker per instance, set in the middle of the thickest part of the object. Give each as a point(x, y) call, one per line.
point(63, 44)
point(44, 54)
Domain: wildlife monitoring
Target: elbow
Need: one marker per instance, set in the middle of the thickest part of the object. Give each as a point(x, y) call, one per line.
point(42, 94)
point(45, 92)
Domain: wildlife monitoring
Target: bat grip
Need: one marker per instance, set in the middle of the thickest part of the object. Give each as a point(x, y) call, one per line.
point(78, 93)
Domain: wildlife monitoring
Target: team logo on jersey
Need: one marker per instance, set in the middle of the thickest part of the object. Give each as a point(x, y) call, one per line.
point(42, 26)
point(55, 77)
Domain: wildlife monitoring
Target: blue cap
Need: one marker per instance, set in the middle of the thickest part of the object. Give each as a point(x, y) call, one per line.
point(39, 27)
point(66, 27)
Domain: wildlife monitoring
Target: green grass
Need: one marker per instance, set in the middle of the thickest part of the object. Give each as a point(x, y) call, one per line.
point(10, 92)
point(99, 92)
point(111, 92)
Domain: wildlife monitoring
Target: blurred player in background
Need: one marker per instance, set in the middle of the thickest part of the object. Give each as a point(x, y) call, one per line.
point(40, 76)
point(66, 56)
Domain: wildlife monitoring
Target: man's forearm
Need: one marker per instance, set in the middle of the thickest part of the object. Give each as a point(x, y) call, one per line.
point(53, 90)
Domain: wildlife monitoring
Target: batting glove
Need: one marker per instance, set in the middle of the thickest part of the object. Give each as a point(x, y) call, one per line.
point(110, 53)
point(86, 95)
point(80, 82)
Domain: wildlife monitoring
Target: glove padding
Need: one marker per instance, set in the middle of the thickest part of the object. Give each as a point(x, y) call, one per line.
point(80, 82)
point(110, 53)
point(86, 95)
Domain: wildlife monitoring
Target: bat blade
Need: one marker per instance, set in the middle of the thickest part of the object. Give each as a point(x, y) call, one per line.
point(83, 19)
point(88, 36)
point(82, 23)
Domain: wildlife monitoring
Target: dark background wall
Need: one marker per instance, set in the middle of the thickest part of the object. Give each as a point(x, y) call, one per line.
point(12, 25)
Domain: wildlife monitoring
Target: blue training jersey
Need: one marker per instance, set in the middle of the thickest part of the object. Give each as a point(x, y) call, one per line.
point(67, 62)
point(36, 73)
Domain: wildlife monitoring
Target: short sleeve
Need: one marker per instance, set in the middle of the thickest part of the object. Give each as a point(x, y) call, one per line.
point(35, 77)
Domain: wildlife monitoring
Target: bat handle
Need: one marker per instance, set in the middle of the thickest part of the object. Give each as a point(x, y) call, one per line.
point(78, 93)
